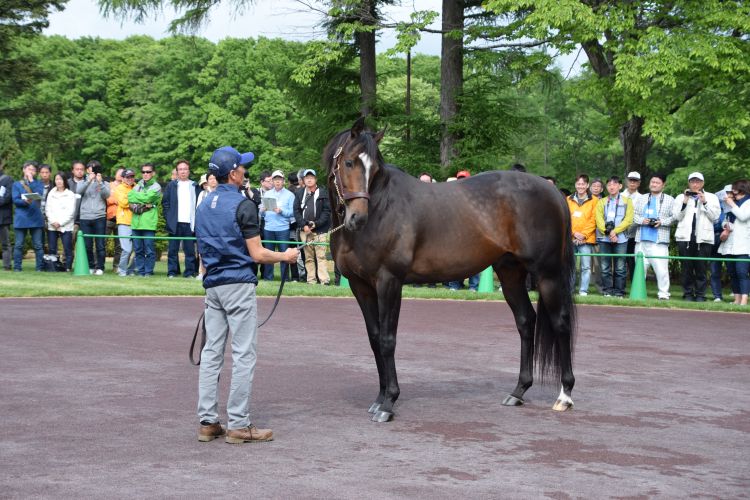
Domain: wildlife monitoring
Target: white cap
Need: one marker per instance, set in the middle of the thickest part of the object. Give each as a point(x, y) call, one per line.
point(277, 173)
point(695, 175)
point(728, 188)
point(634, 175)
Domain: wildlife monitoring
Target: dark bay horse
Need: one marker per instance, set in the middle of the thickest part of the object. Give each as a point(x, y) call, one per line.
point(399, 230)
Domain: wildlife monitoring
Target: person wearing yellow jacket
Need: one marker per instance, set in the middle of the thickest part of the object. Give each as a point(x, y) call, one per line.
point(124, 217)
point(614, 215)
point(582, 206)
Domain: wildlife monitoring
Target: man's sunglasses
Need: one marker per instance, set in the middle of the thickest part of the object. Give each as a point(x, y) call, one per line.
point(147, 171)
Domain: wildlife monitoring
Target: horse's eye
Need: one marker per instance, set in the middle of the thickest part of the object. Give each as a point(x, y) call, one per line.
point(349, 163)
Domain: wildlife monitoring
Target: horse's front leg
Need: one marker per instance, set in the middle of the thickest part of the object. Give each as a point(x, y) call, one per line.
point(514, 289)
point(389, 307)
point(367, 299)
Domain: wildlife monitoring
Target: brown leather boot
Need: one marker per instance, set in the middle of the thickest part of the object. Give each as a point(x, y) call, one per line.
point(250, 434)
point(209, 432)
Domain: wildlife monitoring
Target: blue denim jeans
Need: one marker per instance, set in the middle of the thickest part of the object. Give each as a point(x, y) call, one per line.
point(614, 287)
point(67, 242)
point(173, 252)
point(145, 252)
point(279, 247)
point(94, 226)
point(36, 243)
point(715, 267)
point(584, 251)
point(126, 265)
point(738, 271)
point(473, 283)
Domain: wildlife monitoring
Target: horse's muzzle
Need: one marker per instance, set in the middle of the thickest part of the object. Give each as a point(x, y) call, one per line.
point(354, 220)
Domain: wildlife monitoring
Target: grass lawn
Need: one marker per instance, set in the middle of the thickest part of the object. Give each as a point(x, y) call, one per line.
point(33, 284)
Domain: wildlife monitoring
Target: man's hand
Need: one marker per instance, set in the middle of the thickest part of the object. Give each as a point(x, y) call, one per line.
point(277, 210)
point(613, 236)
point(290, 255)
point(56, 225)
point(701, 197)
point(306, 229)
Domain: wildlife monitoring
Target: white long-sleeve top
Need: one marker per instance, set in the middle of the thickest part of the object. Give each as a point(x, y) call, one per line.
point(738, 242)
point(60, 208)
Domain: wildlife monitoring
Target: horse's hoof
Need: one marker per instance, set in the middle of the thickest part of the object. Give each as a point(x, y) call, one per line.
point(562, 405)
point(511, 400)
point(382, 416)
point(374, 407)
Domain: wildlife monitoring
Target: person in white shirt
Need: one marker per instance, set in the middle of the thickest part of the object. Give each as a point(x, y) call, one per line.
point(60, 212)
point(652, 219)
point(695, 212)
point(179, 202)
point(735, 239)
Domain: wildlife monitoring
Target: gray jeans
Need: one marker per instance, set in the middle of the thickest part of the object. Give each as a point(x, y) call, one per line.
point(229, 308)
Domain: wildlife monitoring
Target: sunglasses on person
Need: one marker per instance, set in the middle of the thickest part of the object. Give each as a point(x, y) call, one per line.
point(147, 171)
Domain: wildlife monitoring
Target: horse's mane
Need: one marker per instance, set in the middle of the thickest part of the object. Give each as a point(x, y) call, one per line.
point(365, 139)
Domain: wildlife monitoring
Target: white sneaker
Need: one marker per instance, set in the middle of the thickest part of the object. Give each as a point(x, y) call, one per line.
point(98, 272)
point(199, 277)
point(717, 299)
point(583, 294)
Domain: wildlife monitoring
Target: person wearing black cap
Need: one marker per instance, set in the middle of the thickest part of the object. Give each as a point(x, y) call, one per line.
point(228, 234)
point(312, 211)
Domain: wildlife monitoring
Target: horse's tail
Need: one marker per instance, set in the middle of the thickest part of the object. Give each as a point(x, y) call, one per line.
point(556, 318)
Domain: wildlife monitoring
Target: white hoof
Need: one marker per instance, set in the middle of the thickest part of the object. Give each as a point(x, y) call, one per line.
point(563, 403)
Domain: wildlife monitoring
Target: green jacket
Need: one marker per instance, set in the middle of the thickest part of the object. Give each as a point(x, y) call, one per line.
point(148, 193)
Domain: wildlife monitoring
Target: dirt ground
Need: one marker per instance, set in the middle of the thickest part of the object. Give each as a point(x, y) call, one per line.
point(99, 401)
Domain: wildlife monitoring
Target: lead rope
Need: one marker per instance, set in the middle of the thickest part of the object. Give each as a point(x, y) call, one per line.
point(201, 326)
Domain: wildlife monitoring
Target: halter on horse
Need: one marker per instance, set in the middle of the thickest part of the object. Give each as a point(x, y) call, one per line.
point(399, 230)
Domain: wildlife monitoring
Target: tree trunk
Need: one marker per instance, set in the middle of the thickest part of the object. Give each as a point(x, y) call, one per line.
point(635, 146)
point(367, 66)
point(451, 77)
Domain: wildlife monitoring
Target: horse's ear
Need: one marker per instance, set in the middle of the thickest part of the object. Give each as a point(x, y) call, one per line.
point(358, 127)
point(379, 135)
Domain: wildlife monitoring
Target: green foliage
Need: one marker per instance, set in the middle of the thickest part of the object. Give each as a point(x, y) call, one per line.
point(10, 153)
point(137, 100)
point(672, 64)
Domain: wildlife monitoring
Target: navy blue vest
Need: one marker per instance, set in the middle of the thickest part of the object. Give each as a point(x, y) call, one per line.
point(220, 241)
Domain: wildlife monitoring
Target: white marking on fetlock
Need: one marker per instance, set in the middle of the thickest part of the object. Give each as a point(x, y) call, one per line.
point(367, 162)
point(564, 398)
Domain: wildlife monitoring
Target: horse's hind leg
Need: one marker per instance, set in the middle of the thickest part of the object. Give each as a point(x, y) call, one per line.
point(513, 278)
point(558, 304)
point(368, 303)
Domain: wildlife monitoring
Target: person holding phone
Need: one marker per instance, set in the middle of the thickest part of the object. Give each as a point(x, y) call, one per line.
point(735, 239)
point(695, 211)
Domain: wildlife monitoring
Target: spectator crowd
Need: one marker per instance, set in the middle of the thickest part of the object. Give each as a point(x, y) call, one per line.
point(607, 217)
point(50, 210)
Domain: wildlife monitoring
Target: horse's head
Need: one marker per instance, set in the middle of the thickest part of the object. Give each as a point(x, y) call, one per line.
point(353, 161)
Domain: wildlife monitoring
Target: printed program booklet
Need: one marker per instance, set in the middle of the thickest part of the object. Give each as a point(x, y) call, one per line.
point(269, 203)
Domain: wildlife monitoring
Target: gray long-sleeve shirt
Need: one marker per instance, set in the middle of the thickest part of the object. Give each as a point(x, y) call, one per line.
point(93, 199)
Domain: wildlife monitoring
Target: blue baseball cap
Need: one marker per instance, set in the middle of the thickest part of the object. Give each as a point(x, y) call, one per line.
point(226, 159)
point(309, 171)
